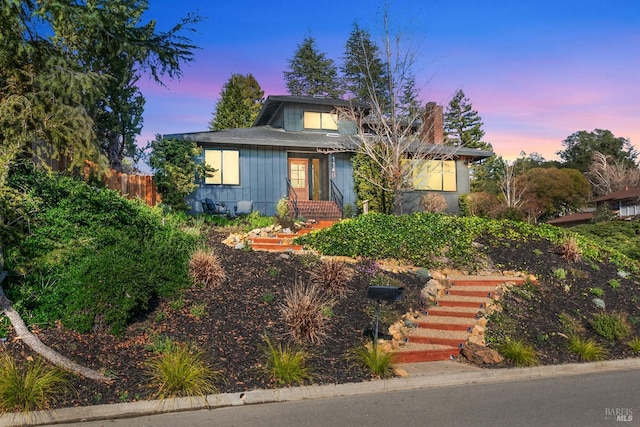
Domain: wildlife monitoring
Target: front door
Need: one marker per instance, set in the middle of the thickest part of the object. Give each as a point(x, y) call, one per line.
point(299, 177)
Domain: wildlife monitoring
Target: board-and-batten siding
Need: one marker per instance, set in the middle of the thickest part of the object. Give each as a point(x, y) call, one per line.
point(263, 172)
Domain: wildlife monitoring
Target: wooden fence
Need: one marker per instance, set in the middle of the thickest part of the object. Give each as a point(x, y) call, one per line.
point(132, 186)
point(129, 185)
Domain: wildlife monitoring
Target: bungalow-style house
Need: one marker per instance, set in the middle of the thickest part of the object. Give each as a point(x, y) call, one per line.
point(625, 203)
point(290, 152)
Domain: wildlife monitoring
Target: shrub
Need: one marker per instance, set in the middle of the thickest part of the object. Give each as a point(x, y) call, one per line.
point(374, 359)
point(161, 344)
point(282, 207)
point(332, 276)
point(367, 267)
point(286, 363)
point(560, 273)
point(31, 386)
point(570, 324)
point(433, 202)
point(612, 326)
point(587, 350)
point(598, 292)
point(519, 352)
point(634, 344)
point(205, 269)
point(302, 311)
point(198, 310)
point(614, 283)
point(570, 249)
point(181, 371)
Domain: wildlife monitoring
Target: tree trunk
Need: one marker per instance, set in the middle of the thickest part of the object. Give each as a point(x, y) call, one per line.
point(38, 346)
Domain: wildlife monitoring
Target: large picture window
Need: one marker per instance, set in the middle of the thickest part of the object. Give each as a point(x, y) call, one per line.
point(315, 120)
point(434, 175)
point(227, 166)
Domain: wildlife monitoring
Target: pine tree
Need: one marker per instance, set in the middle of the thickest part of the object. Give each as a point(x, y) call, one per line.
point(311, 73)
point(462, 124)
point(240, 102)
point(362, 69)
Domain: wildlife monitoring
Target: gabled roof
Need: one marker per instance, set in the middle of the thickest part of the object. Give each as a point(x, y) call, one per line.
point(274, 103)
point(572, 219)
point(627, 193)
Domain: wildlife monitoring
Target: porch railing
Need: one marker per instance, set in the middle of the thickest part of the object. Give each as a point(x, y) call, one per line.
point(337, 197)
point(293, 198)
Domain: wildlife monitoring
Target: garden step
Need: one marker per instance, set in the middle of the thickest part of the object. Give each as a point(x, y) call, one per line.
point(414, 356)
point(466, 327)
point(484, 281)
point(454, 303)
point(467, 293)
point(452, 312)
point(421, 339)
point(276, 247)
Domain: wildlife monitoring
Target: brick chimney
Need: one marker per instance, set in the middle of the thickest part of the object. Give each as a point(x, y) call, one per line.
point(432, 130)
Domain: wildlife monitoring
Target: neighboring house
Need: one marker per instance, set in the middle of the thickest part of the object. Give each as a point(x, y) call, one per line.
point(625, 203)
point(290, 152)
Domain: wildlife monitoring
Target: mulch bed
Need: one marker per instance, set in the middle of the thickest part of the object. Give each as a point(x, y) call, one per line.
point(238, 314)
point(230, 334)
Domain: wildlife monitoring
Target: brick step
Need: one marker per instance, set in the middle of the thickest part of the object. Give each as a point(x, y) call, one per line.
point(415, 356)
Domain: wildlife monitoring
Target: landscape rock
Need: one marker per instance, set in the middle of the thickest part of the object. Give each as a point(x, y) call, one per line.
point(480, 355)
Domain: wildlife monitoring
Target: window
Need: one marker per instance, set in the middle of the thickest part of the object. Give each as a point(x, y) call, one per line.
point(434, 175)
point(227, 166)
point(315, 120)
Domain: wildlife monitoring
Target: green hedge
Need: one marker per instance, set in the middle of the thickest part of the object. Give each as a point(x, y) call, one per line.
point(92, 258)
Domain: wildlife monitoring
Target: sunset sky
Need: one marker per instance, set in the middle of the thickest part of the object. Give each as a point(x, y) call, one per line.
point(536, 71)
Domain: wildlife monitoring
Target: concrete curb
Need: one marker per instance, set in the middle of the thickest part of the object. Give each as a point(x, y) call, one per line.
point(422, 379)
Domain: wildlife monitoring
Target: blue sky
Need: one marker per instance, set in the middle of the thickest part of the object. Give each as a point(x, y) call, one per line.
point(536, 71)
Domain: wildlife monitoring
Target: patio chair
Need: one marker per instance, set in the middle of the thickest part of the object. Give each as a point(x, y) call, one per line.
point(212, 207)
point(243, 207)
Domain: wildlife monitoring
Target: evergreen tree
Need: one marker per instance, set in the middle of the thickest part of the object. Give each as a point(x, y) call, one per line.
point(311, 73)
point(580, 147)
point(462, 124)
point(122, 48)
point(240, 102)
point(362, 69)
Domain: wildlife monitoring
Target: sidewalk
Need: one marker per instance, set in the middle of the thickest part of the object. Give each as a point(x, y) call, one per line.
point(420, 375)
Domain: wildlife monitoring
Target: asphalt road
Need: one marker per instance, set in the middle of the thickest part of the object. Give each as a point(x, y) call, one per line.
point(595, 399)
